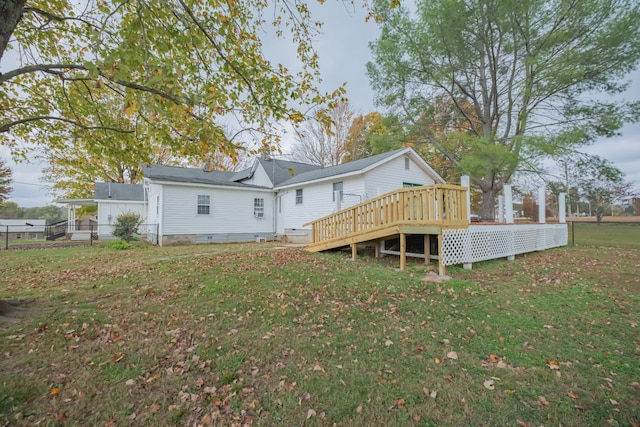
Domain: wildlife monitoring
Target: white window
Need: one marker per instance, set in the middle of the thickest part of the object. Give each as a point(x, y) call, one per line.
point(407, 162)
point(299, 196)
point(337, 186)
point(203, 204)
point(258, 207)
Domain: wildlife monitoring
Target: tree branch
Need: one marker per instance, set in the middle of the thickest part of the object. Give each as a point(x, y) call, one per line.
point(7, 126)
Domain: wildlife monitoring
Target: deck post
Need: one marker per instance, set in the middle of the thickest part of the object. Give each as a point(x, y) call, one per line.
point(427, 249)
point(562, 214)
point(403, 251)
point(541, 206)
point(442, 270)
point(464, 181)
point(354, 251)
point(501, 208)
point(508, 203)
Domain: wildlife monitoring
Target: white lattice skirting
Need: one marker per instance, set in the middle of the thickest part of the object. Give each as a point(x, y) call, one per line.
point(483, 242)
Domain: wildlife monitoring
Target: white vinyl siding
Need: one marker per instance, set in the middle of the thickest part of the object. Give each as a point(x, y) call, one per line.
point(110, 210)
point(318, 202)
point(392, 175)
point(231, 211)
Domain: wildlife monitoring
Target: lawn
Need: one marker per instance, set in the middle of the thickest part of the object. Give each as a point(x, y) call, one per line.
point(257, 334)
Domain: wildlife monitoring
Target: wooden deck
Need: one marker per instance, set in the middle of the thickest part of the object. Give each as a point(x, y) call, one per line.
point(425, 210)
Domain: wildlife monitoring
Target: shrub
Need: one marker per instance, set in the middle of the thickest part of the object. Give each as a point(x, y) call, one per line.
point(126, 226)
point(120, 245)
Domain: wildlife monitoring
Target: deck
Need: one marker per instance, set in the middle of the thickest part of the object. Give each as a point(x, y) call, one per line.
point(425, 210)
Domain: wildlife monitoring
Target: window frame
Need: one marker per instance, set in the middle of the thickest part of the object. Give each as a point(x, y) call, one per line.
point(299, 196)
point(410, 184)
point(258, 207)
point(341, 189)
point(201, 205)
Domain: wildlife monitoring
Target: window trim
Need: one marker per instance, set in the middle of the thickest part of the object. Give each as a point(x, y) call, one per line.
point(299, 196)
point(201, 204)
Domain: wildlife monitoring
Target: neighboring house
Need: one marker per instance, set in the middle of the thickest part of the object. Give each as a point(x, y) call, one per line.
point(272, 198)
point(23, 229)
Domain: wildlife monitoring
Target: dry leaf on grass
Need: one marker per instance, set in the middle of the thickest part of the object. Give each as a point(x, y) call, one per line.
point(542, 401)
point(452, 355)
point(489, 384)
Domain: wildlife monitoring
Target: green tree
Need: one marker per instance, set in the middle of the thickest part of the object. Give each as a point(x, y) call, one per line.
point(10, 210)
point(374, 134)
point(602, 184)
point(176, 70)
point(6, 177)
point(520, 65)
point(49, 213)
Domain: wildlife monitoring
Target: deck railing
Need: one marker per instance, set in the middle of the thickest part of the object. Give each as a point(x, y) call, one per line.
point(439, 205)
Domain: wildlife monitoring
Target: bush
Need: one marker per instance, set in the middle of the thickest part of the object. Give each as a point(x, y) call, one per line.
point(126, 226)
point(120, 245)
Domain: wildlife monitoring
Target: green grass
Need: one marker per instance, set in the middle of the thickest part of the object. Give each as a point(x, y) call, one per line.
point(622, 235)
point(226, 334)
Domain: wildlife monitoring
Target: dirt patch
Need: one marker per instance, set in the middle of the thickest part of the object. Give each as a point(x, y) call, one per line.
point(13, 311)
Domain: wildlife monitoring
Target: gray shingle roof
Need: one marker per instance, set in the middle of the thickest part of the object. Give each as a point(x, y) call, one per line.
point(117, 191)
point(193, 175)
point(340, 169)
point(282, 170)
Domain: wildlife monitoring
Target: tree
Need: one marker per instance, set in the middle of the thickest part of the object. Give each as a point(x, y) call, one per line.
point(374, 134)
point(602, 184)
point(49, 213)
point(521, 65)
point(10, 210)
point(635, 202)
point(6, 177)
point(321, 140)
point(175, 70)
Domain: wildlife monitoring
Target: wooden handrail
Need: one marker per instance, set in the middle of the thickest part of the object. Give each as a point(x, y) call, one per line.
point(441, 204)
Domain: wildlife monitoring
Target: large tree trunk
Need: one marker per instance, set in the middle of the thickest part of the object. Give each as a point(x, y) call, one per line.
point(489, 203)
point(10, 14)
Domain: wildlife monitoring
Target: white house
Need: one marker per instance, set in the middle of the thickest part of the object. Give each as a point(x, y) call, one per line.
point(273, 198)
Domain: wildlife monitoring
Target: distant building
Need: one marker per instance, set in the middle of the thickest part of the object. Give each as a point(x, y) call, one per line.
point(23, 229)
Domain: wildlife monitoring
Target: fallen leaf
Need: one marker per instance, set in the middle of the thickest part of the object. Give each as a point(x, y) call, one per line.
point(614, 402)
point(359, 409)
point(553, 364)
point(130, 382)
point(54, 391)
point(452, 355)
point(542, 401)
point(117, 357)
point(522, 423)
point(436, 360)
point(388, 343)
point(155, 407)
point(501, 364)
point(489, 384)
point(572, 395)
point(311, 413)
point(493, 358)
point(400, 402)
point(416, 417)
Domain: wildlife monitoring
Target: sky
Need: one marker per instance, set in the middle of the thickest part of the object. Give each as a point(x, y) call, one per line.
point(344, 51)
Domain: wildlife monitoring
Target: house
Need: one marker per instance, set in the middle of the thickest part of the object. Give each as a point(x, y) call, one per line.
point(273, 198)
point(112, 199)
point(23, 229)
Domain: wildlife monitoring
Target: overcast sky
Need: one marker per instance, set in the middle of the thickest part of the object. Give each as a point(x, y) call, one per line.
point(344, 52)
